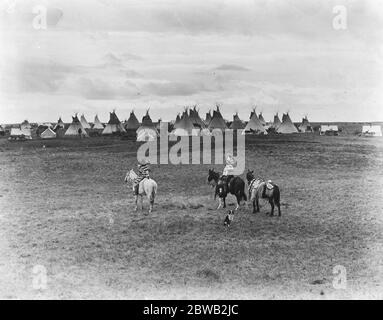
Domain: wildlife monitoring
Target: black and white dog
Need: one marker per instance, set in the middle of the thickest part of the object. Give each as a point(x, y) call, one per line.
point(229, 218)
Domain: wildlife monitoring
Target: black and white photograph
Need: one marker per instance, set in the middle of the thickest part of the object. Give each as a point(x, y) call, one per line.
point(191, 150)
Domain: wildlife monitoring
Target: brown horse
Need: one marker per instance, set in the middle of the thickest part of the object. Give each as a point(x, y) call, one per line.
point(258, 188)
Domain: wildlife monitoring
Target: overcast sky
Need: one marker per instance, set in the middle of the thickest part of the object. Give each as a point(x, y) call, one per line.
point(96, 56)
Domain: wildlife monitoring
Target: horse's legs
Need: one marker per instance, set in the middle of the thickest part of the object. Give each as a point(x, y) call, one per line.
point(239, 197)
point(220, 203)
point(142, 203)
point(272, 206)
point(279, 208)
point(254, 211)
point(257, 203)
point(136, 198)
point(224, 202)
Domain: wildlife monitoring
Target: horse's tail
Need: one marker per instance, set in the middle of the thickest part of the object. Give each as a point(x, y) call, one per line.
point(153, 193)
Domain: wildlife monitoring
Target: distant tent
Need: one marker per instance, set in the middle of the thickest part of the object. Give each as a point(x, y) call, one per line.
point(305, 126)
point(217, 121)
point(84, 123)
point(196, 119)
point(261, 119)
point(48, 134)
point(287, 125)
point(237, 123)
point(76, 128)
point(185, 126)
point(277, 122)
point(254, 125)
point(25, 125)
point(372, 131)
point(97, 125)
point(20, 134)
point(132, 123)
point(114, 125)
point(60, 124)
point(147, 131)
point(176, 123)
point(208, 118)
point(330, 130)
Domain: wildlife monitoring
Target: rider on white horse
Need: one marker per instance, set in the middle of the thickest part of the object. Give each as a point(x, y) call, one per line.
point(143, 172)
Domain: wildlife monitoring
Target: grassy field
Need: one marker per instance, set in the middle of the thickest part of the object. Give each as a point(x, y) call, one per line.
point(67, 208)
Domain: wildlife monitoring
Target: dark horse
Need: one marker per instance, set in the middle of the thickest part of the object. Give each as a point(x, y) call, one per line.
point(258, 188)
point(226, 185)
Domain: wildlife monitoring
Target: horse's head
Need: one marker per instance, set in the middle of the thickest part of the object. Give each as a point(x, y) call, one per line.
point(249, 175)
point(212, 177)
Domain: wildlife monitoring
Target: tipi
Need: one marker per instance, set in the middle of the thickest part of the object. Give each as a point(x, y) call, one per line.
point(114, 125)
point(254, 125)
point(25, 125)
point(208, 118)
point(217, 121)
point(185, 126)
point(277, 122)
point(305, 126)
point(261, 119)
point(237, 123)
point(132, 123)
point(147, 131)
point(76, 128)
point(195, 118)
point(84, 123)
point(97, 125)
point(287, 125)
point(60, 124)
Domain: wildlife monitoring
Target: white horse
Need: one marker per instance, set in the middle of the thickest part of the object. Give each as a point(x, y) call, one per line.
point(146, 187)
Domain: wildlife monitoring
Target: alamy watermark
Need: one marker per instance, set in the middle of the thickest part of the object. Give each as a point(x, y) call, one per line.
point(184, 152)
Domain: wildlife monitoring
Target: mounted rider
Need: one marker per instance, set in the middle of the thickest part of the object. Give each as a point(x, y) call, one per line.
point(227, 173)
point(143, 167)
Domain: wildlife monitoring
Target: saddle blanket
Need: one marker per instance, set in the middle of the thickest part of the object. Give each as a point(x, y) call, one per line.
point(269, 185)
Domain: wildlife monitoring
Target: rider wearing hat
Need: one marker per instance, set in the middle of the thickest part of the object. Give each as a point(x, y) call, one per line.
point(143, 167)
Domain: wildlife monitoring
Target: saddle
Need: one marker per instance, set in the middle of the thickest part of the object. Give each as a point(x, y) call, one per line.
point(269, 185)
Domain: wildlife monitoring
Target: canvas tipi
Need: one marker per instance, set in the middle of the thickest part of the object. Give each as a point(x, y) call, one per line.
point(208, 118)
point(196, 119)
point(147, 131)
point(305, 126)
point(132, 123)
point(277, 122)
point(287, 125)
point(254, 125)
point(97, 125)
point(237, 123)
point(114, 125)
point(76, 129)
point(261, 119)
point(185, 126)
point(217, 121)
point(84, 123)
point(60, 124)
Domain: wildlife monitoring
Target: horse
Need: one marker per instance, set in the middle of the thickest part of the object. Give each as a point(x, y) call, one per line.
point(147, 187)
point(237, 188)
point(258, 188)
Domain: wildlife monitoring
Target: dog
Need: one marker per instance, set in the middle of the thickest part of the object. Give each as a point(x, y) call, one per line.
point(229, 218)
